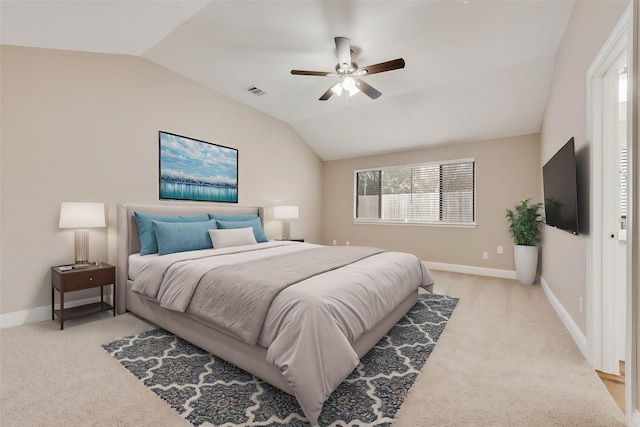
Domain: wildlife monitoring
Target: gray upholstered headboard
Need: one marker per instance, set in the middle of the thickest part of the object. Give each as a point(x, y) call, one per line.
point(123, 238)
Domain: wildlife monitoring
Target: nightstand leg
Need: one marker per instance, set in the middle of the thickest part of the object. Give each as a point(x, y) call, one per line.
point(61, 310)
point(52, 304)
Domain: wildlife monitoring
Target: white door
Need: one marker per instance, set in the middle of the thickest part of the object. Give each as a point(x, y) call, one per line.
point(607, 91)
point(614, 212)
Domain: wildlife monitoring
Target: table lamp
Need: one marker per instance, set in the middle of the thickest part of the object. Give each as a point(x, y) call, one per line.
point(81, 216)
point(285, 213)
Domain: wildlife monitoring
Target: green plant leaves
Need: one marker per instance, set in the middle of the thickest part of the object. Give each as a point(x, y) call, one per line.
point(525, 223)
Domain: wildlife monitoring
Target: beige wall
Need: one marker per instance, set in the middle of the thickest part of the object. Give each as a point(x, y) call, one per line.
point(507, 171)
point(564, 256)
point(84, 127)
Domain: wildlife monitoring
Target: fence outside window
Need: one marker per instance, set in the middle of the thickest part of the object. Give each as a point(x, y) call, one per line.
point(428, 193)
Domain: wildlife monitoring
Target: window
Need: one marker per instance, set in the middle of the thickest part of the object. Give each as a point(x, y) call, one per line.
point(429, 193)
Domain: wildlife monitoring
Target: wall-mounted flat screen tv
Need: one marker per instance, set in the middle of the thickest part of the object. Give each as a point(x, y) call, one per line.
point(559, 178)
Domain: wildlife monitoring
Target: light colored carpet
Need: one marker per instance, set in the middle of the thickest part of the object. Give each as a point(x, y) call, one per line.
point(504, 359)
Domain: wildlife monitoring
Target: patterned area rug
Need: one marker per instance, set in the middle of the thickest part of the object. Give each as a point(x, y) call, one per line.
point(207, 391)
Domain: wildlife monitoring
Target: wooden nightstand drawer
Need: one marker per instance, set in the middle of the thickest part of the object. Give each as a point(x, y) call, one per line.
point(72, 281)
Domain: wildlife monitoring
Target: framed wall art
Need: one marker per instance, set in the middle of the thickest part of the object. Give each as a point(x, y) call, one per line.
point(191, 169)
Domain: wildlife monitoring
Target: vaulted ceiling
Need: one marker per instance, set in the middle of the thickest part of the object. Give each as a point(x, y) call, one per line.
point(474, 69)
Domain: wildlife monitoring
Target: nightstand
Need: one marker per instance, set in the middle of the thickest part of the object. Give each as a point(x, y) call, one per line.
point(76, 279)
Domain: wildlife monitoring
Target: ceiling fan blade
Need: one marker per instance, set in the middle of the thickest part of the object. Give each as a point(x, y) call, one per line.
point(343, 49)
point(328, 93)
point(367, 89)
point(384, 66)
point(312, 73)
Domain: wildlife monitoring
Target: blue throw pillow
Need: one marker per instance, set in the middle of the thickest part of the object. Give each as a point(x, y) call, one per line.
point(233, 217)
point(183, 236)
point(148, 243)
point(255, 223)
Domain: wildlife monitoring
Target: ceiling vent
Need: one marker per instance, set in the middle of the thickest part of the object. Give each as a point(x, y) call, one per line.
point(256, 91)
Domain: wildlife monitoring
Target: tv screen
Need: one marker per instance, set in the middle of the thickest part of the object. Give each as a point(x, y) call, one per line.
point(560, 189)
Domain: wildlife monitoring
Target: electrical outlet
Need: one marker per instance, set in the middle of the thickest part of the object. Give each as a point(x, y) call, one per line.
point(334, 242)
point(485, 255)
point(347, 243)
point(500, 250)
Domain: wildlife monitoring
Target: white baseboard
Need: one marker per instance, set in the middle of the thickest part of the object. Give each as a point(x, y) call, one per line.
point(578, 337)
point(469, 269)
point(38, 314)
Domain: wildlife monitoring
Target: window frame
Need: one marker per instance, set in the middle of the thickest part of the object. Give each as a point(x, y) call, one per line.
point(419, 223)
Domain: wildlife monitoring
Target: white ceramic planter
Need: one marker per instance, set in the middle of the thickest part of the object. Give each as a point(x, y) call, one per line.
point(526, 260)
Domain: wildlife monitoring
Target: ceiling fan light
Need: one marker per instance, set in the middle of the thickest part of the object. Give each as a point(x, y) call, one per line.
point(348, 83)
point(337, 89)
point(353, 91)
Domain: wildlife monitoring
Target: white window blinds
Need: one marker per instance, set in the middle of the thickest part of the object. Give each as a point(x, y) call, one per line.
point(441, 192)
point(623, 187)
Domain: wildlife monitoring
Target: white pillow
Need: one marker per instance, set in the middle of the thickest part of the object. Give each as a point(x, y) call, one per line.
point(232, 237)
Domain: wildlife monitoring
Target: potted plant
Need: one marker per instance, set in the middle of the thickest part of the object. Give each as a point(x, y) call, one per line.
point(525, 226)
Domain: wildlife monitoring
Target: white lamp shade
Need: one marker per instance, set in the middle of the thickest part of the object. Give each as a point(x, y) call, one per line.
point(285, 212)
point(339, 87)
point(81, 215)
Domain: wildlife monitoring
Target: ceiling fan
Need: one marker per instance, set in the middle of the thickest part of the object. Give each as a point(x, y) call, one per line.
point(349, 73)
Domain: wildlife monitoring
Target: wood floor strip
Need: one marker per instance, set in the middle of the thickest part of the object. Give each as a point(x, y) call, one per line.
point(615, 385)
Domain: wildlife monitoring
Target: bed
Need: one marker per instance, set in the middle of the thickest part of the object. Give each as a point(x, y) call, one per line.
point(329, 308)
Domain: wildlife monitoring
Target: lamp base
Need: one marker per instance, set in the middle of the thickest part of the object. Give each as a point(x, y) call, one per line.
point(84, 264)
point(81, 264)
point(81, 247)
point(285, 229)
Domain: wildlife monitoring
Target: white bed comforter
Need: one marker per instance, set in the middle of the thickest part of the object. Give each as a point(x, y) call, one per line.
point(311, 325)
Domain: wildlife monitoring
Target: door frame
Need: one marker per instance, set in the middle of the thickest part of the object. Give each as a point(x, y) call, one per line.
point(632, 382)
